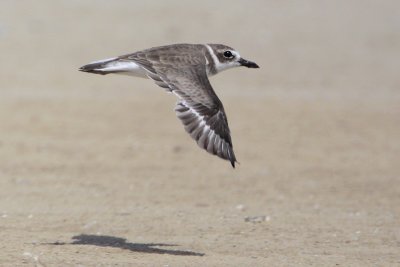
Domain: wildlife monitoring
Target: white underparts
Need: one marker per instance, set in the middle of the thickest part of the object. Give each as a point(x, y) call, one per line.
point(122, 67)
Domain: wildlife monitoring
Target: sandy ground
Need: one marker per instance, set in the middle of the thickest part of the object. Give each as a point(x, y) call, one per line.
point(97, 171)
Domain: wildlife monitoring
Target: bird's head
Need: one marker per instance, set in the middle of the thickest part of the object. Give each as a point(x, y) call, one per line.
point(226, 57)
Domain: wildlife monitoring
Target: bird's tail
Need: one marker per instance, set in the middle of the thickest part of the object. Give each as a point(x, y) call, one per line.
point(103, 67)
point(114, 65)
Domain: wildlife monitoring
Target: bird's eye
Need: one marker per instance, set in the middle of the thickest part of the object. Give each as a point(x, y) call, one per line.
point(228, 54)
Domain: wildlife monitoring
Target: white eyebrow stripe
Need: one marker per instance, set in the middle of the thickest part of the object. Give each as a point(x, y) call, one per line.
point(235, 53)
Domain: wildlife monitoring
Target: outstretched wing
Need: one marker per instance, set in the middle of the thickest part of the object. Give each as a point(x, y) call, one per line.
point(199, 108)
point(209, 128)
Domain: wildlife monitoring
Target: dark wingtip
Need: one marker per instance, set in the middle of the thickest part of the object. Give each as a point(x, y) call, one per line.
point(233, 163)
point(232, 159)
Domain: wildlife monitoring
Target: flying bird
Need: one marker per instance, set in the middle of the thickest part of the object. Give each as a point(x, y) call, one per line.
point(183, 69)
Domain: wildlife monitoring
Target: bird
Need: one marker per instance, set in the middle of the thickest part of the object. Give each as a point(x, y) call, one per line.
point(183, 69)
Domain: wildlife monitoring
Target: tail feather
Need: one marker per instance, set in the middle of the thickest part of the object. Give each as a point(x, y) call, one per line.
point(114, 65)
point(99, 67)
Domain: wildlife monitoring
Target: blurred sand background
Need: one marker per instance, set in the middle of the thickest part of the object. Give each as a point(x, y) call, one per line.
point(97, 170)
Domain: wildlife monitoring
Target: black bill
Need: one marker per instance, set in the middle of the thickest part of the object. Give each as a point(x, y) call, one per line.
point(247, 63)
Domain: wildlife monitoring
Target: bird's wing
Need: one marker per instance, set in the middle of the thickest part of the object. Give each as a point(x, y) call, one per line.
point(199, 108)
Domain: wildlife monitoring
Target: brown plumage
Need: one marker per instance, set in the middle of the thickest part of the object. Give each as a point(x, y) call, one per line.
point(184, 69)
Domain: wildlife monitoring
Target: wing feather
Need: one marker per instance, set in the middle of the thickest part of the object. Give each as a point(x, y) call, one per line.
point(199, 108)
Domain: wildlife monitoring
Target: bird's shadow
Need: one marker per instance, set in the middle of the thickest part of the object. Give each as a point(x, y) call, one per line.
point(118, 242)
